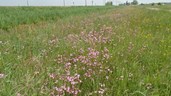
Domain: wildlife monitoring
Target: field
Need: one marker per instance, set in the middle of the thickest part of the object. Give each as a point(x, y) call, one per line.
point(85, 51)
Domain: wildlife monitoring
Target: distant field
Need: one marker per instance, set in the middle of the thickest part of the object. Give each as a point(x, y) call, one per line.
point(167, 7)
point(85, 51)
point(14, 16)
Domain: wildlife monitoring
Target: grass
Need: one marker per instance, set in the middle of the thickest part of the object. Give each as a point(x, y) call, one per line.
point(14, 16)
point(166, 7)
point(121, 51)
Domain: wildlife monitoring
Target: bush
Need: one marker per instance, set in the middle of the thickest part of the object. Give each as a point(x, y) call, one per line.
point(142, 4)
point(159, 3)
point(127, 3)
point(134, 2)
point(109, 3)
point(153, 4)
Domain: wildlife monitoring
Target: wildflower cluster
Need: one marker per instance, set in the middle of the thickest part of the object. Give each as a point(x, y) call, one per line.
point(93, 37)
point(84, 64)
point(77, 69)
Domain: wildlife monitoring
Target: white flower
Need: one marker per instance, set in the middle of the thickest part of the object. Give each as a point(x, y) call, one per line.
point(0, 42)
point(2, 76)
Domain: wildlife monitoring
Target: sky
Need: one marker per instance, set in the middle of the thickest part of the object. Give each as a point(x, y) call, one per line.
point(67, 2)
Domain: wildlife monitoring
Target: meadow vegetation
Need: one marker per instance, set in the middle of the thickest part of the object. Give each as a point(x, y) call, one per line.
point(14, 16)
point(93, 51)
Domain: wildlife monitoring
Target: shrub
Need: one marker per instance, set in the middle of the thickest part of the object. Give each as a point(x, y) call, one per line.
point(109, 3)
point(159, 3)
point(134, 2)
point(153, 4)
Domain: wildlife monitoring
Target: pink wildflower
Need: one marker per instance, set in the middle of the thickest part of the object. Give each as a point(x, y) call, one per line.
point(52, 76)
point(93, 53)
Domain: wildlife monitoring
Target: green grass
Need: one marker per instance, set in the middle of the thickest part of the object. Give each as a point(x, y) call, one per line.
point(166, 7)
point(136, 39)
point(14, 16)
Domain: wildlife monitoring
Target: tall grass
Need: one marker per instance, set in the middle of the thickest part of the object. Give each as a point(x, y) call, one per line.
point(116, 52)
point(14, 16)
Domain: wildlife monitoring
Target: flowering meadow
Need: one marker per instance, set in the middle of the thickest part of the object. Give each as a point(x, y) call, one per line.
point(110, 51)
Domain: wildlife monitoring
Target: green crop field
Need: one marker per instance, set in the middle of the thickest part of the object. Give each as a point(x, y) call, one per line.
point(85, 51)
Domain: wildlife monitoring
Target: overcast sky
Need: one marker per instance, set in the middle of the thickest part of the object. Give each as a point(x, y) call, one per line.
point(67, 2)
